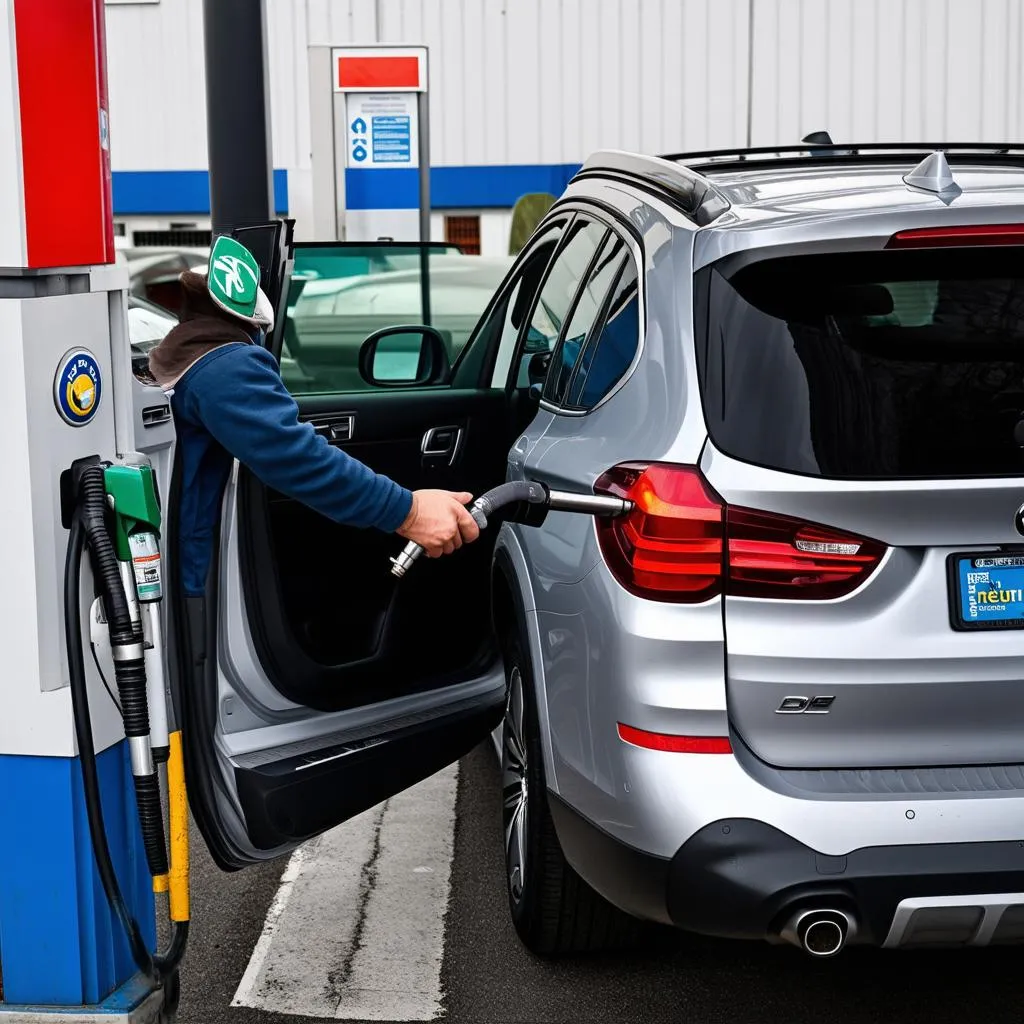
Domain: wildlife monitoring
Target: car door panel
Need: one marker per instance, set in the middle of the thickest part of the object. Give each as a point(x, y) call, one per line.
point(336, 626)
point(310, 682)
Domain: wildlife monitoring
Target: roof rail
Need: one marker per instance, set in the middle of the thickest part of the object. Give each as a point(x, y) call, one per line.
point(681, 187)
point(813, 153)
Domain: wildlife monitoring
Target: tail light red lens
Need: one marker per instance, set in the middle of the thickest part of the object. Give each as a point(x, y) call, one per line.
point(670, 545)
point(682, 543)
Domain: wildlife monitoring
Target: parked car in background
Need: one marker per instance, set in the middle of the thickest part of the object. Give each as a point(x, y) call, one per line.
point(341, 296)
point(148, 325)
point(154, 273)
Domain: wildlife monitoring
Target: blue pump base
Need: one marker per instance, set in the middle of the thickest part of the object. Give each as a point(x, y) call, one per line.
point(60, 945)
point(135, 1002)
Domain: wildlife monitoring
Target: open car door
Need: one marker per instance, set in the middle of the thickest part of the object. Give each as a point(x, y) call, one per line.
point(310, 683)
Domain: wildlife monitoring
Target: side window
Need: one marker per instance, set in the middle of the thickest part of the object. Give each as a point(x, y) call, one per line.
point(341, 294)
point(586, 313)
point(506, 318)
point(611, 349)
point(553, 304)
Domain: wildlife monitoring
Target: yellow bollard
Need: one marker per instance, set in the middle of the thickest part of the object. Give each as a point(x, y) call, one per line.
point(178, 813)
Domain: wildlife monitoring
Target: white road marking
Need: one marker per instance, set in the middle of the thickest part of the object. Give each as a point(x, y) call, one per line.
point(356, 930)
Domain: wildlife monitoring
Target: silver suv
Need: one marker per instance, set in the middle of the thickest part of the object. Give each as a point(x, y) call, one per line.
point(783, 699)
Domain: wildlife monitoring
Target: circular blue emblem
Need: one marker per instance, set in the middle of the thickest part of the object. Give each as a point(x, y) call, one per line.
point(77, 387)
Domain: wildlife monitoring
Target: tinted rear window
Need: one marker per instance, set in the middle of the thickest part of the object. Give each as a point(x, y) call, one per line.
point(867, 365)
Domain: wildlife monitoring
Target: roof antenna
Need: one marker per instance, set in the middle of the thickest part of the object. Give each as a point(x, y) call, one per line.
point(818, 139)
point(933, 175)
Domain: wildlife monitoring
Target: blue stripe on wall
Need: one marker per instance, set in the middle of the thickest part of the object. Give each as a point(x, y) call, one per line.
point(497, 186)
point(175, 192)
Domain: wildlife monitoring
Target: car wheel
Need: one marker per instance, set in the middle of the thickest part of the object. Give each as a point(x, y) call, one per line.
point(553, 910)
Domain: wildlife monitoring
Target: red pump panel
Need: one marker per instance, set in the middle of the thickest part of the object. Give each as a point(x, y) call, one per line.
point(65, 152)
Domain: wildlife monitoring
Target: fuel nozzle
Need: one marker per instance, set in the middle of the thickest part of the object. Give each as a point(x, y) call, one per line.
point(402, 563)
point(532, 493)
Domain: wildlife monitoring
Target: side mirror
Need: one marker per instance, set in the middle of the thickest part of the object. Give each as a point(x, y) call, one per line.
point(403, 357)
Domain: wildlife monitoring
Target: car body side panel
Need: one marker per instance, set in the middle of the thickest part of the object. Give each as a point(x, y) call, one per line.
point(604, 655)
point(654, 414)
point(610, 658)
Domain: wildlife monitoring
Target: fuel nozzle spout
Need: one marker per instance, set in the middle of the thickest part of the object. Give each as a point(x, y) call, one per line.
point(404, 561)
point(588, 504)
point(515, 492)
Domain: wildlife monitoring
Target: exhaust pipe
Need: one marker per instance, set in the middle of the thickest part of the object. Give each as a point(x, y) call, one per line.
point(821, 932)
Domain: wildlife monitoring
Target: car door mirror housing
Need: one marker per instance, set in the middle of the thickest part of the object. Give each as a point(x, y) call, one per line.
point(403, 357)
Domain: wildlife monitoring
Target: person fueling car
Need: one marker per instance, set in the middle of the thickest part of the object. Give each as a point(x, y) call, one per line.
point(228, 402)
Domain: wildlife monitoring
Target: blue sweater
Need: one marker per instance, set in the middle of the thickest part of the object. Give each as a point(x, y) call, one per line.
point(232, 404)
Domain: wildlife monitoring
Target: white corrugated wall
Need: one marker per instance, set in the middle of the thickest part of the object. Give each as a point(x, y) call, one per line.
point(888, 70)
point(549, 81)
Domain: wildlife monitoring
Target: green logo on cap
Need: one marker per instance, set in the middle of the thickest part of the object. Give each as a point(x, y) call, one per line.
point(234, 277)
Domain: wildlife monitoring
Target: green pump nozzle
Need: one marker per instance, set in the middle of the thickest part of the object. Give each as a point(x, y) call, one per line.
point(131, 490)
point(136, 525)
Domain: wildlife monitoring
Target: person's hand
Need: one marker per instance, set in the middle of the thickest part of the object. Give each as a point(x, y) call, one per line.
point(439, 522)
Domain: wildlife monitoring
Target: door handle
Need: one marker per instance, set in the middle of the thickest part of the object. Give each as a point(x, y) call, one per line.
point(337, 429)
point(441, 444)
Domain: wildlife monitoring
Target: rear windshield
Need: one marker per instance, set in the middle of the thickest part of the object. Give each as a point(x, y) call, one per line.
point(867, 365)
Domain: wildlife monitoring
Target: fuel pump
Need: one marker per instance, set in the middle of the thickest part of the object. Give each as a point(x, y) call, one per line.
point(114, 514)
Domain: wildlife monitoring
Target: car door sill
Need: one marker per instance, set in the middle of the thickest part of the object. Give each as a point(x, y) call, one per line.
point(319, 749)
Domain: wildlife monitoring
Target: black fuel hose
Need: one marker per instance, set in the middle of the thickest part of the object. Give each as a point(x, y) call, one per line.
point(87, 750)
point(506, 494)
point(157, 968)
point(481, 510)
point(129, 664)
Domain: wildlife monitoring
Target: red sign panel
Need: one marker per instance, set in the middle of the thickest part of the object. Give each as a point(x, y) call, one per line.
point(378, 73)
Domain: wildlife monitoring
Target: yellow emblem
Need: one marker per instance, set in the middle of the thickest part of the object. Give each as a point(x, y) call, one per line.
point(81, 394)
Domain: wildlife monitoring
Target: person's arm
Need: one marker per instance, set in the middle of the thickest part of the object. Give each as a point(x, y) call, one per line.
point(238, 395)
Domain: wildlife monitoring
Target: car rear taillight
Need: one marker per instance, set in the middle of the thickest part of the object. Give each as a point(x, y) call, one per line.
point(958, 234)
point(682, 543)
point(670, 545)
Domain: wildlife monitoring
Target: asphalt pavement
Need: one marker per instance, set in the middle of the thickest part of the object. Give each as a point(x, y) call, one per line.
point(486, 976)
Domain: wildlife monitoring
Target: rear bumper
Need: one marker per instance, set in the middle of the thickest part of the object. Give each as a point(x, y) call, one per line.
point(743, 879)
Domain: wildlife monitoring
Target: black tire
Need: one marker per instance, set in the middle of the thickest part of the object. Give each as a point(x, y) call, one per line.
point(553, 910)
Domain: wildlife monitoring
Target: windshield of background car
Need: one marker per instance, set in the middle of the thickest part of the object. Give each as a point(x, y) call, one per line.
point(340, 295)
point(871, 365)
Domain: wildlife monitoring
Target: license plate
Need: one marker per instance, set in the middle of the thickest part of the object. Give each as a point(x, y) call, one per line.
point(987, 591)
